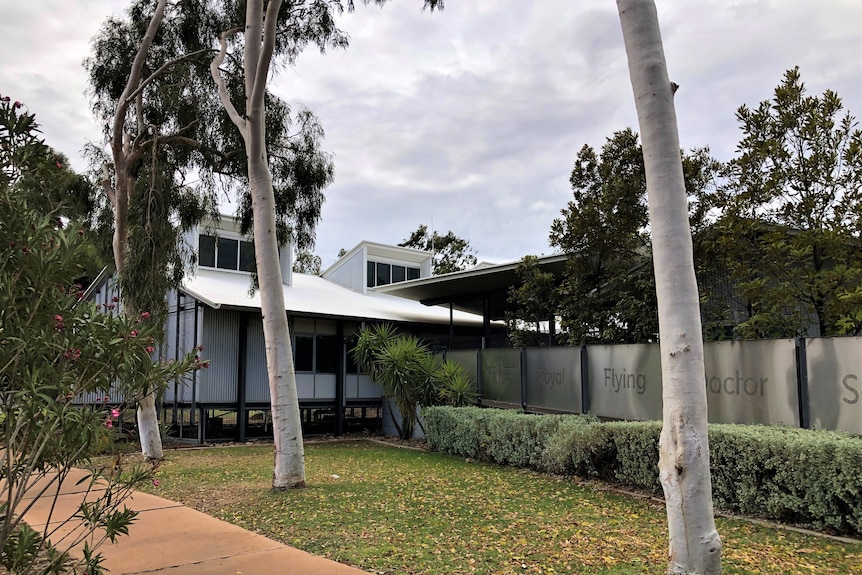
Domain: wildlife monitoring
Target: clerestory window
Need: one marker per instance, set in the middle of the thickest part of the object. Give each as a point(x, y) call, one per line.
point(225, 253)
point(379, 273)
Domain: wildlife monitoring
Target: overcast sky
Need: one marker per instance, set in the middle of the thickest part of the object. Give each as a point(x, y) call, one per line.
point(472, 117)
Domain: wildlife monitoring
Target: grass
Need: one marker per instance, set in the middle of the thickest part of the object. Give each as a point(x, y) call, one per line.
point(390, 510)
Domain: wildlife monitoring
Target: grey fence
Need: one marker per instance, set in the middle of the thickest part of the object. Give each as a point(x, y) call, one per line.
point(810, 382)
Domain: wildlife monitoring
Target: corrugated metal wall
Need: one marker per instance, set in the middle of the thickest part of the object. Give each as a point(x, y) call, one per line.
point(218, 384)
point(256, 378)
point(180, 322)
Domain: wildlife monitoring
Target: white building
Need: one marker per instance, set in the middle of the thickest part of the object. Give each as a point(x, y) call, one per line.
point(217, 309)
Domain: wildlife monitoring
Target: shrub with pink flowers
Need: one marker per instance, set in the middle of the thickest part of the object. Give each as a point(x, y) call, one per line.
point(55, 348)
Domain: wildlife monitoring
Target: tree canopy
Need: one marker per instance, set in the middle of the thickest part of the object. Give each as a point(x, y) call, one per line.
point(531, 303)
point(451, 253)
point(791, 216)
point(608, 292)
point(183, 150)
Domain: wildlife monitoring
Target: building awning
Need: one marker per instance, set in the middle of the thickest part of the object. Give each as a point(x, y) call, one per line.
point(482, 289)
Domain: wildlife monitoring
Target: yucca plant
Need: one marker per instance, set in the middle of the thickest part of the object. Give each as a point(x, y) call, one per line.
point(397, 370)
point(410, 374)
point(456, 387)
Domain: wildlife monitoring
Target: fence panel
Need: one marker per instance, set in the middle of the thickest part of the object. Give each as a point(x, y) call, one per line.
point(835, 383)
point(625, 381)
point(752, 382)
point(501, 375)
point(469, 360)
point(554, 379)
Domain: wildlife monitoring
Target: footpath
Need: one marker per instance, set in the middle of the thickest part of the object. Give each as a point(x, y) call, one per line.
point(168, 538)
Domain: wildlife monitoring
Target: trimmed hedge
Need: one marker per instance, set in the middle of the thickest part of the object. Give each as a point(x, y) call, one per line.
point(792, 475)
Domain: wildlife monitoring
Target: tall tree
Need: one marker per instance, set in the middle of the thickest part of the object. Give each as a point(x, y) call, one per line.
point(792, 214)
point(608, 290)
point(451, 253)
point(532, 301)
point(269, 30)
point(152, 88)
point(695, 546)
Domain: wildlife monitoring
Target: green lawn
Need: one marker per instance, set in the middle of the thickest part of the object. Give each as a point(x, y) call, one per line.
point(399, 511)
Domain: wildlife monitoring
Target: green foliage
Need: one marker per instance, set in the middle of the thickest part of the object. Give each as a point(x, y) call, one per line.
point(792, 475)
point(608, 291)
point(534, 300)
point(55, 349)
point(184, 149)
point(581, 449)
point(410, 374)
point(451, 253)
point(457, 389)
point(791, 214)
point(307, 263)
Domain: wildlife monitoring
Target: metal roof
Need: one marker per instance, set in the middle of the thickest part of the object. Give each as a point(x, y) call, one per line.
point(316, 296)
point(474, 289)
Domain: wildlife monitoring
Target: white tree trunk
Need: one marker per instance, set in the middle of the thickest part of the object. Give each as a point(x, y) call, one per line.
point(148, 428)
point(289, 466)
point(695, 546)
point(120, 195)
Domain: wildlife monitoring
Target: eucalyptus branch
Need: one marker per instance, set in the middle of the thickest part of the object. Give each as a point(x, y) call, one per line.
point(265, 58)
point(164, 67)
point(238, 120)
point(134, 79)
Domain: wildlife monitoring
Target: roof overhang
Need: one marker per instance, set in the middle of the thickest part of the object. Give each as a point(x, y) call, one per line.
point(476, 290)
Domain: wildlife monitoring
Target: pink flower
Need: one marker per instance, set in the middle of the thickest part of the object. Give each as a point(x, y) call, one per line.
point(145, 315)
point(109, 424)
point(115, 299)
point(59, 165)
point(150, 349)
point(134, 333)
point(18, 104)
point(115, 413)
point(58, 318)
point(156, 482)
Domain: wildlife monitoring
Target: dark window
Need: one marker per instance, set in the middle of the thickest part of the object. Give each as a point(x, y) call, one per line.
point(303, 353)
point(246, 257)
point(412, 273)
point(398, 274)
point(328, 348)
point(206, 251)
point(371, 273)
point(226, 256)
point(383, 274)
point(351, 367)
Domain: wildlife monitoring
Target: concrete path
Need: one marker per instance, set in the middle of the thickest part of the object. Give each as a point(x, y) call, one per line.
point(171, 539)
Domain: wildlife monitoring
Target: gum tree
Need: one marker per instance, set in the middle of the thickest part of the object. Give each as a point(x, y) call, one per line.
point(695, 546)
point(269, 29)
point(451, 253)
point(172, 149)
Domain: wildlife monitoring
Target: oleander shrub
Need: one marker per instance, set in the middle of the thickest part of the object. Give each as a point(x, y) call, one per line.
point(54, 349)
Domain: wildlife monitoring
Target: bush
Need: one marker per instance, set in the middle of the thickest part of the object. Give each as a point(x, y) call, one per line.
point(793, 475)
point(410, 374)
point(54, 349)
